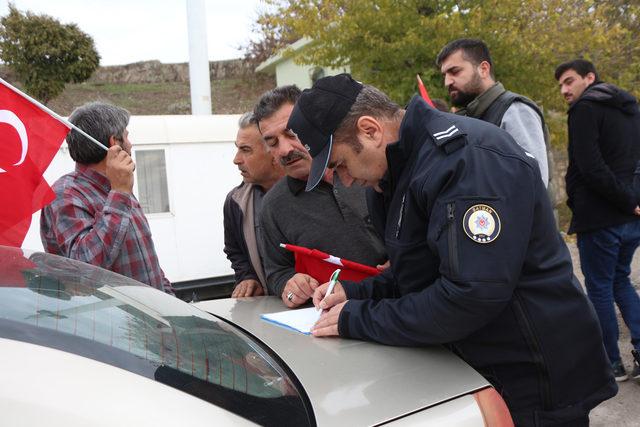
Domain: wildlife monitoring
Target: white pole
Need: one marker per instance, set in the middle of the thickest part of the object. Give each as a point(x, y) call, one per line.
point(198, 58)
point(53, 114)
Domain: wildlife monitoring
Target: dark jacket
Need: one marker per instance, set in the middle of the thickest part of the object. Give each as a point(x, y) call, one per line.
point(477, 264)
point(604, 149)
point(240, 241)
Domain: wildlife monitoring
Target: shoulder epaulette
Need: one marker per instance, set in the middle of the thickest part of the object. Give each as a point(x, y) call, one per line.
point(446, 134)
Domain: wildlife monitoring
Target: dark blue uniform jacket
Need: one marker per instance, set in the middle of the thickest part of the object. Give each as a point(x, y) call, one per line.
point(478, 264)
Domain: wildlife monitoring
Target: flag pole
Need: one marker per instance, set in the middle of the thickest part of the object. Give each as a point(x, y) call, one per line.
point(54, 115)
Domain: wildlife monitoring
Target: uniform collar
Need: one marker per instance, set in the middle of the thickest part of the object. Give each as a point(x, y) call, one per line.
point(413, 133)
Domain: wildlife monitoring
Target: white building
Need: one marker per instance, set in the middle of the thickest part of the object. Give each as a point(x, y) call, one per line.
point(287, 72)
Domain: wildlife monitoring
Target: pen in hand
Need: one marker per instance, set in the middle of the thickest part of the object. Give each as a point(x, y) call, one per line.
point(332, 284)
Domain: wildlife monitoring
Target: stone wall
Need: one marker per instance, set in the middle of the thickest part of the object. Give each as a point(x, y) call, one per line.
point(157, 72)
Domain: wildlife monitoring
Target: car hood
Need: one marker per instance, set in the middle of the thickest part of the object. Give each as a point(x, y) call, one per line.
point(354, 382)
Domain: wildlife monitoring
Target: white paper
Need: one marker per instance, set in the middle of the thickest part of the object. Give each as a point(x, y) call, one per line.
point(301, 320)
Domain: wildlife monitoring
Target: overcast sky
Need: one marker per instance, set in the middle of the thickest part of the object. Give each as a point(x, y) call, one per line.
point(126, 31)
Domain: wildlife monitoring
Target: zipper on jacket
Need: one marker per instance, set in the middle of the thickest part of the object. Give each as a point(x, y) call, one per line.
point(536, 350)
point(400, 217)
point(453, 241)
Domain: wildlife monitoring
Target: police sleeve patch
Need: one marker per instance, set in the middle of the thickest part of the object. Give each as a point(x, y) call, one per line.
point(481, 223)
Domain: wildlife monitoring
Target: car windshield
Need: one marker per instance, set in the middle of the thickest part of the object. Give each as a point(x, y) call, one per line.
point(72, 306)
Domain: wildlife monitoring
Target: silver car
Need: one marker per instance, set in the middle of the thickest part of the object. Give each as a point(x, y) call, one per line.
point(80, 345)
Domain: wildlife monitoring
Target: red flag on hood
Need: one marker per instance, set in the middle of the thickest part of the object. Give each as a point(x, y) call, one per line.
point(13, 267)
point(320, 265)
point(29, 138)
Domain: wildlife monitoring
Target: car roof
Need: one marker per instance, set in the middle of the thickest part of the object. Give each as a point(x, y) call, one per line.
point(354, 382)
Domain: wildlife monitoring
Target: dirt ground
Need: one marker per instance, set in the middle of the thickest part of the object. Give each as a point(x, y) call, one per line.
point(623, 409)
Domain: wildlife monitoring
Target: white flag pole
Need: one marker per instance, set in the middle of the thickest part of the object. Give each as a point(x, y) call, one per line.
point(54, 115)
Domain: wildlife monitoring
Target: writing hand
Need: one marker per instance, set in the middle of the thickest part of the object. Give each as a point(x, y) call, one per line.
point(327, 325)
point(337, 296)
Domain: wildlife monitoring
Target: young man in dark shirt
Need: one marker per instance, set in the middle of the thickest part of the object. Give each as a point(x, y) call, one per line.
point(604, 151)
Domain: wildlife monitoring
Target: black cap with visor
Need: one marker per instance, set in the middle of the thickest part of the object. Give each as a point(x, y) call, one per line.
point(317, 114)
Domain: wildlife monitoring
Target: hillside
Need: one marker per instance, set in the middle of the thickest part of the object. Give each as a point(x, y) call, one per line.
point(229, 96)
point(153, 88)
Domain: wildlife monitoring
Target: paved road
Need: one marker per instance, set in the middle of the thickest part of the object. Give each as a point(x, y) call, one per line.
point(623, 409)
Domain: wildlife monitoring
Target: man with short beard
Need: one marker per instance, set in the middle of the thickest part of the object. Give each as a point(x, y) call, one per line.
point(468, 75)
point(604, 196)
point(332, 218)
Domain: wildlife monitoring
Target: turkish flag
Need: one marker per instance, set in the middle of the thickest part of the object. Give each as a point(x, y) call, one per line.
point(320, 265)
point(29, 138)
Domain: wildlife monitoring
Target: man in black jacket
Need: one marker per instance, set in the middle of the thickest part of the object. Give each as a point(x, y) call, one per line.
point(476, 261)
point(604, 150)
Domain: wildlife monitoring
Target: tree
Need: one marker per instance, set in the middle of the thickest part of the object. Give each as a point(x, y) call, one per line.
point(272, 38)
point(386, 42)
point(45, 54)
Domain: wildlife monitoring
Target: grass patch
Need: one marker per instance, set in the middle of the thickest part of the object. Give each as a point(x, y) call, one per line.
point(229, 96)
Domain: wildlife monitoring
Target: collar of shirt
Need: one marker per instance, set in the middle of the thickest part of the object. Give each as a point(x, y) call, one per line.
point(94, 176)
point(296, 186)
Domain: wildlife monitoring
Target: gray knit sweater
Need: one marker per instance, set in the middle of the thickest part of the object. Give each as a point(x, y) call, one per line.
point(332, 219)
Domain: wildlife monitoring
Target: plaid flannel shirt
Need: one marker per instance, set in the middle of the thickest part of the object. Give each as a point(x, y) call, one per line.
point(89, 222)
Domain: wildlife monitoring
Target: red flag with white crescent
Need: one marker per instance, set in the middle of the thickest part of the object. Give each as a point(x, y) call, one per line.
point(29, 139)
point(320, 265)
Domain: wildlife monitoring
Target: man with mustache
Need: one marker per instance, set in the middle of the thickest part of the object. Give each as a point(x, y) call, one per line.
point(468, 75)
point(331, 218)
point(259, 171)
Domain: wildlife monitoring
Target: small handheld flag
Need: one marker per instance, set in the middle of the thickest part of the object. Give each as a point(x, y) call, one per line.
point(423, 91)
point(321, 266)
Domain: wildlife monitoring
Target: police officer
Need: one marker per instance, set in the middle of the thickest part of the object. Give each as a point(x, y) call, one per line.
point(476, 261)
